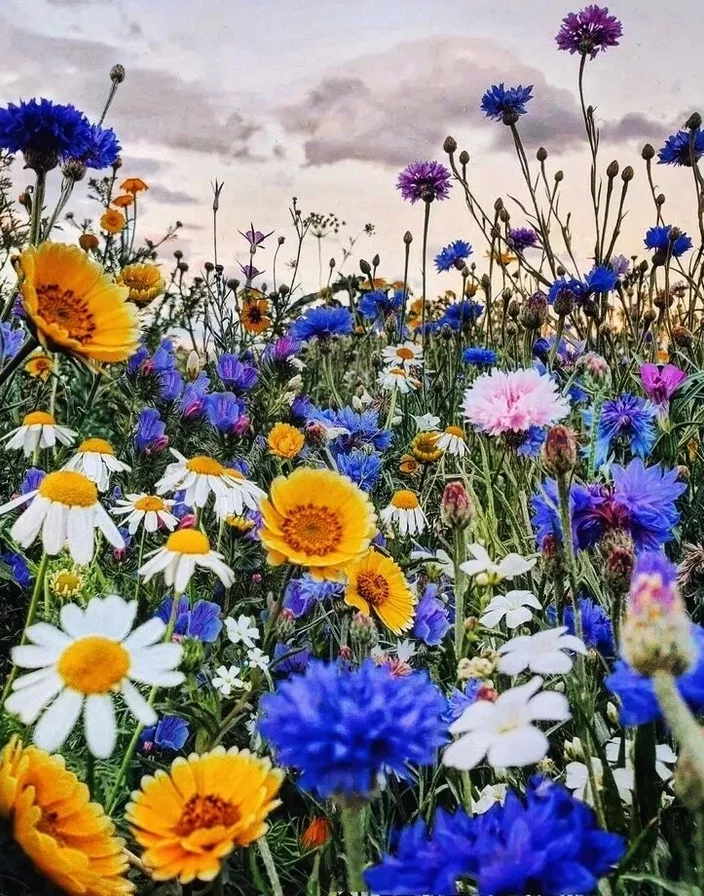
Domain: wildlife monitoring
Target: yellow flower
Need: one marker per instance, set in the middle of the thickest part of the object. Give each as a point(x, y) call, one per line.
point(318, 519)
point(67, 582)
point(69, 839)
point(39, 366)
point(88, 241)
point(144, 282)
point(255, 311)
point(376, 583)
point(133, 185)
point(239, 525)
point(74, 307)
point(285, 440)
point(501, 258)
point(124, 200)
point(112, 221)
point(424, 447)
point(189, 820)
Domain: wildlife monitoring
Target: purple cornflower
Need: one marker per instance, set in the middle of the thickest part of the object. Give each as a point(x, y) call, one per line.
point(522, 238)
point(627, 420)
point(282, 350)
point(588, 31)
point(431, 622)
point(620, 264)
point(249, 271)
point(32, 480)
point(191, 403)
point(506, 104)
point(238, 376)
point(151, 432)
point(255, 237)
point(424, 180)
point(11, 340)
point(660, 384)
point(290, 660)
point(19, 568)
point(225, 411)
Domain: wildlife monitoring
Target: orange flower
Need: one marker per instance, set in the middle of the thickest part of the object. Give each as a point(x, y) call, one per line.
point(133, 185)
point(112, 221)
point(144, 282)
point(88, 241)
point(124, 200)
point(409, 464)
point(316, 834)
point(39, 366)
point(255, 311)
point(285, 440)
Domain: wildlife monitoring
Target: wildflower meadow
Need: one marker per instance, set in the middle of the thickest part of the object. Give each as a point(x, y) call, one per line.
point(352, 587)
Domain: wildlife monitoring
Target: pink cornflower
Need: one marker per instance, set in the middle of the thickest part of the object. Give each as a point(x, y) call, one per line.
point(660, 384)
point(499, 402)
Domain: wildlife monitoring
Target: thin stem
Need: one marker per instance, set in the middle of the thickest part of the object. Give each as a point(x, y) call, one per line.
point(460, 588)
point(268, 859)
point(684, 725)
point(35, 222)
point(353, 834)
point(426, 225)
point(90, 773)
point(563, 492)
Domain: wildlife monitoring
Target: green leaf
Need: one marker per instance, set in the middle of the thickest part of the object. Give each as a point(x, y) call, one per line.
point(669, 886)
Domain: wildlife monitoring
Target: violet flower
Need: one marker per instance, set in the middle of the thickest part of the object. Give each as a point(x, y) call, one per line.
point(660, 384)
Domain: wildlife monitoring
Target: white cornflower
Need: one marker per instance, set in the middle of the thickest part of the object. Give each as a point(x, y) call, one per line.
point(65, 508)
point(198, 477)
point(488, 796)
point(408, 356)
point(490, 573)
point(185, 550)
point(38, 430)
point(397, 378)
point(81, 666)
point(405, 513)
point(95, 458)
point(453, 442)
point(513, 606)
point(503, 731)
point(577, 780)
point(543, 652)
point(149, 509)
point(426, 422)
point(257, 659)
point(242, 630)
point(228, 680)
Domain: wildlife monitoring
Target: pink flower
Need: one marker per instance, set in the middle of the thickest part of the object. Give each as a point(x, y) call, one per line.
point(499, 402)
point(660, 384)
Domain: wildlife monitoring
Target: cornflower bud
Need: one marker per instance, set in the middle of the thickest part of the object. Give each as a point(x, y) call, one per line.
point(456, 507)
point(450, 145)
point(560, 450)
point(648, 152)
point(535, 311)
point(363, 631)
point(117, 73)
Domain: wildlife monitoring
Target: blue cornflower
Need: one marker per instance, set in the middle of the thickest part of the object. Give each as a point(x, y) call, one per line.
point(238, 376)
point(19, 568)
point(346, 730)
point(296, 659)
point(678, 151)
point(151, 432)
point(522, 238)
point(224, 410)
point(647, 496)
point(302, 409)
point(566, 288)
point(362, 428)
point(322, 323)
point(506, 104)
point(460, 314)
point(32, 480)
point(600, 279)
point(202, 623)
point(585, 506)
point(636, 693)
point(193, 398)
point(362, 467)
point(446, 259)
point(170, 733)
point(303, 594)
point(658, 238)
point(379, 306)
point(11, 340)
point(597, 631)
point(103, 150)
point(627, 420)
point(532, 442)
point(459, 700)
point(479, 357)
point(431, 623)
point(44, 132)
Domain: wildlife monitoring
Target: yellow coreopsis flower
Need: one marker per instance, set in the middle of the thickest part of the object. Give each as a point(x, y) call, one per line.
point(112, 221)
point(144, 282)
point(377, 584)
point(285, 440)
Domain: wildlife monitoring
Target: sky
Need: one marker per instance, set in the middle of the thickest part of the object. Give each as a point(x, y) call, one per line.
point(327, 100)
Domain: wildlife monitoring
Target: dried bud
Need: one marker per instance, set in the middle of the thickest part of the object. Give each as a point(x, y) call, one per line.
point(471, 625)
point(364, 266)
point(535, 311)
point(73, 169)
point(88, 241)
point(464, 157)
point(450, 145)
point(613, 169)
point(514, 309)
point(363, 631)
point(694, 122)
point(560, 450)
point(648, 317)
point(648, 152)
point(209, 266)
point(408, 238)
point(504, 215)
point(682, 337)
point(117, 73)
point(627, 174)
point(456, 507)
point(541, 154)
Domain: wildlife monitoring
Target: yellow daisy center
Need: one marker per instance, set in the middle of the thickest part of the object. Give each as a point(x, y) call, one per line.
point(234, 474)
point(149, 502)
point(188, 541)
point(97, 446)
point(70, 488)
point(455, 431)
point(312, 529)
point(66, 582)
point(38, 417)
point(396, 371)
point(405, 500)
point(405, 353)
point(93, 665)
point(207, 811)
point(373, 587)
point(66, 310)
point(205, 466)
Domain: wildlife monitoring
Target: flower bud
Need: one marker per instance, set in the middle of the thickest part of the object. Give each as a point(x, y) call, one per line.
point(316, 434)
point(573, 750)
point(456, 507)
point(316, 834)
point(363, 631)
point(560, 450)
point(612, 713)
point(613, 169)
point(73, 169)
point(559, 176)
point(618, 568)
point(627, 174)
point(408, 238)
point(364, 266)
point(595, 365)
point(464, 157)
point(542, 154)
point(648, 152)
point(193, 365)
point(88, 241)
point(694, 122)
point(535, 311)
point(450, 145)
point(682, 337)
point(117, 73)
point(285, 626)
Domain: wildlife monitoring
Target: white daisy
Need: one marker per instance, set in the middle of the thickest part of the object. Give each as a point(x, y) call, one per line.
point(452, 441)
point(242, 630)
point(185, 550)
point(408, 356)
point(198, 477)
point(38, 430)
point(149, 509)
point(66, 510)
point(664, 756)
point(228, 680)
point(242, 493)
point(513, 606)
point(490, 573)
point(543, 652)
point(397, 378)
point(79, 668)
point(405, 513)
point(96, 459)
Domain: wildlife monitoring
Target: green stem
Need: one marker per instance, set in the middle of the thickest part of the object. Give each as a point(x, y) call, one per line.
point(684, 726)
point(563, 492)
point(424, 261)
point(35, 222)
point(268, 860)
point(460, 588)
point(392, 408)
point(90, 773)
point(353, 833)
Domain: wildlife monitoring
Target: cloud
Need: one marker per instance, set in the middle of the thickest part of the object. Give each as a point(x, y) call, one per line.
point(171, 197)
point(399, 105)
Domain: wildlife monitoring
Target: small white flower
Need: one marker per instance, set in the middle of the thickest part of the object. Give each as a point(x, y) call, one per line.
point(242, 630)
point(439, 559)
point(81, 666)
point(490, 794)
point(397, 378)
point(453, 442)
point(95, 458)
point(577, 780)
point(149, 509)
point(185, 550)
point(228, 680)
point(38, 430)
point(513, 606)
point(426, 422)
point(257, 659)
point(664, 756)
point(503, 731)
point(481, 565)
point(405, 650)
point(543, 652)
point(359, 402)
point(408, 356)
point(405, 513)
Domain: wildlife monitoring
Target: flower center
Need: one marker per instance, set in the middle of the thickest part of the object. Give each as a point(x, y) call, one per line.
point(373, 587)
point(405, 500)
point(38, 417)
point(205, 466)
point(234, 474)
point(312, 529)
point(207, 811)
point(149, 502)
point(455, 431)
point(64, 309)
point(254, 314)
point(396, 371)
point(70, 488)
point(67, 583)
point(96, 446)
point(240, 524)
point(188, 541)
point(404, 353)
point(93, 665)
